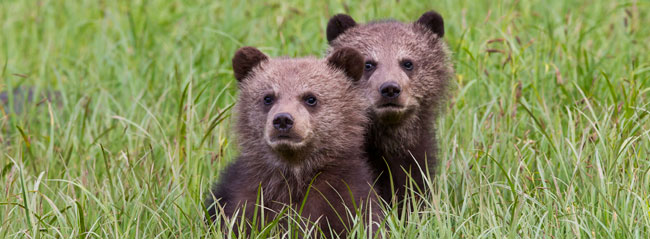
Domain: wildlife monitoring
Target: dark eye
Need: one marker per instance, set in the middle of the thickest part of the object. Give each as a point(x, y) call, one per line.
point(268, 100)
point(369, 66)
point(407, 65)
point(311, 101)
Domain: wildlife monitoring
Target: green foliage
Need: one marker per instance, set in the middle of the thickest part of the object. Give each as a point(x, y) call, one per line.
point(547, 133)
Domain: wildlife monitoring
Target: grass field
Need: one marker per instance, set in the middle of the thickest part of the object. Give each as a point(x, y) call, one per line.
point(546, 136)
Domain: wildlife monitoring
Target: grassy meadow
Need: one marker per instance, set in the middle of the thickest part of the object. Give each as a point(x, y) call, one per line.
point(128, 124)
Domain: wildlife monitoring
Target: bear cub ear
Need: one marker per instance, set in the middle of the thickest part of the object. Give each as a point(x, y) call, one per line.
point(337, 25)
point(245, 59)
point(349, 60)
point(433, 21)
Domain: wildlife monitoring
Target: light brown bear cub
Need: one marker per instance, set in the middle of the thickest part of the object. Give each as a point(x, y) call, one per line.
point(406, 73)
point(300, 125)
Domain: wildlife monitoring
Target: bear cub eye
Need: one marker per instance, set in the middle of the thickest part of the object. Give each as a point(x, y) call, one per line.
point(310, 100)
point(407, 65)
point(268, 100)
point(369, 66)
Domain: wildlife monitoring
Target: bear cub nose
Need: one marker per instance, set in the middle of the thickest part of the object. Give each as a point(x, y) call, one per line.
point(283, 121)
point(390, 90)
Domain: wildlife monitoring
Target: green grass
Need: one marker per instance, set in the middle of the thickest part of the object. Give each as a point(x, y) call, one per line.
point(547, 133)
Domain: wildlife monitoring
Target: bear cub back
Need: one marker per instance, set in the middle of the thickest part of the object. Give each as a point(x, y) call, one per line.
point(300, 126)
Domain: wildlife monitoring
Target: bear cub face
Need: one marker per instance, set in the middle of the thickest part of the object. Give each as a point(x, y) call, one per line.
point(285, 103)
point(406, 64)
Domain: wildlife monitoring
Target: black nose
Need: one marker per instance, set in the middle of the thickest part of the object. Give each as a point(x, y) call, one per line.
point(390, 90)
point(283, 121)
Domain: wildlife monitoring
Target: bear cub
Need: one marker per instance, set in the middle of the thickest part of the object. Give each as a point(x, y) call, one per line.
point(406, 73)
point(300, 126)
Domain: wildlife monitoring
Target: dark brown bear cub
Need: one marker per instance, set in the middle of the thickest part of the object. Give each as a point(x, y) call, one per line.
point(406, 73)
point(300, 125)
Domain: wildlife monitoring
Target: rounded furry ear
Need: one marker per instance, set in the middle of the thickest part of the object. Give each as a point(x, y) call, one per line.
point(245, 59)
point(433, 21)
point(337, 25)
point(349, 60)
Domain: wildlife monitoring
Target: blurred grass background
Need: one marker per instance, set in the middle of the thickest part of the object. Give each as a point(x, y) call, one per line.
point(547, 133)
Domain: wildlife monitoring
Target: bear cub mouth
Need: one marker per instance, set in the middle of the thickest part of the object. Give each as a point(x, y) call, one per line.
point(392, 112)
point(285, 138)
point(390, 105)
point(286, 142)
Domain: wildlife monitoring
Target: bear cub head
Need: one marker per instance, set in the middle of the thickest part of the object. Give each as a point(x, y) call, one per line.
point(295, 110)
point(406, 66)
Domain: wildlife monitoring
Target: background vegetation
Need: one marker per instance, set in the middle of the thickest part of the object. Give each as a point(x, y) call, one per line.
point(547, 133)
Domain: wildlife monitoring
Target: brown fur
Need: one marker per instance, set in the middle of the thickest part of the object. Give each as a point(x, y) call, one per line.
point(327, 147)
point(399, 138)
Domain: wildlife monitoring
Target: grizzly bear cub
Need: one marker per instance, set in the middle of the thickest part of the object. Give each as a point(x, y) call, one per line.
point(406, 73)
point(300, 125)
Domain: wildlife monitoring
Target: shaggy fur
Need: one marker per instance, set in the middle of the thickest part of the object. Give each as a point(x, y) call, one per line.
point(325, 145)
point(401, 135)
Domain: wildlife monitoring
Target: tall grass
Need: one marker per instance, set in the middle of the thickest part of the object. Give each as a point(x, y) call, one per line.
point(546, 136)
